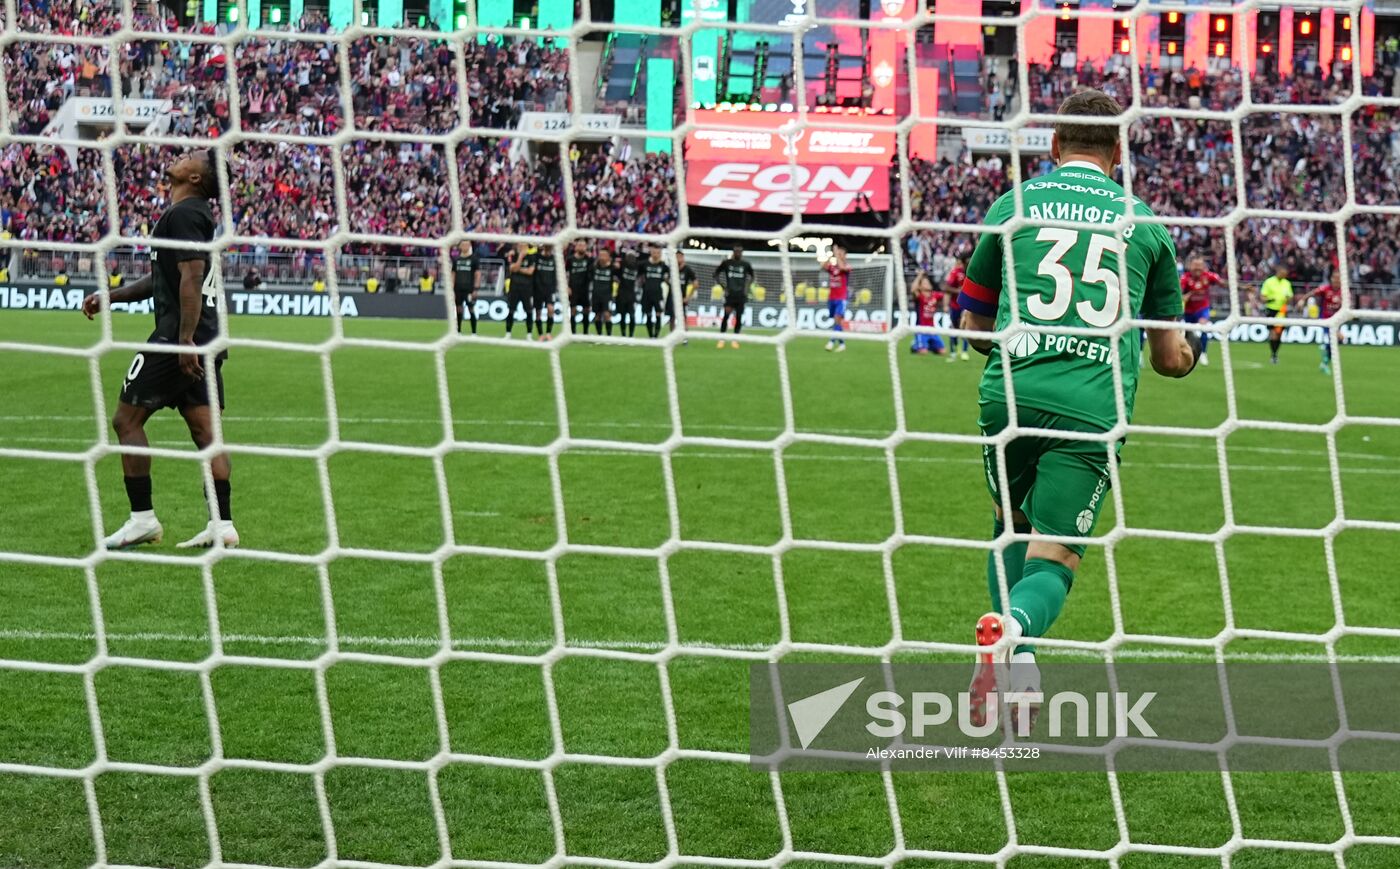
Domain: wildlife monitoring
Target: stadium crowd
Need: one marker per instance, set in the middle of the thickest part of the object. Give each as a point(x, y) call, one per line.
point(405, 85)
point(1181, 167)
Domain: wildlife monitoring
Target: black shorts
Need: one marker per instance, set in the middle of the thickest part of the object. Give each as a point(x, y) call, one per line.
point(543, 298)
point(626, 303)
point(463, 296)
point(650, 302)
point(601, 301)
point(518, 297)
point(154, 381)
point(737, 301)
point(579, 298)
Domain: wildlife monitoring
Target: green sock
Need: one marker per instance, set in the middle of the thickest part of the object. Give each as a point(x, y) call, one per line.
point(1014, 556)
point(1037, 599)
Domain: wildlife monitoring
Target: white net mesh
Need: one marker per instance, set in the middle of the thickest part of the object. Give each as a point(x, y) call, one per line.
point(342, 214)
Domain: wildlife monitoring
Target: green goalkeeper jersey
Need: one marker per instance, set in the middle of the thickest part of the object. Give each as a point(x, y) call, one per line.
point(1070, 277)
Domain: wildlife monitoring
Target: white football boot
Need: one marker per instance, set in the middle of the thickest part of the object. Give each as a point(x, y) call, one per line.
point(216, 529)
point(141, 528)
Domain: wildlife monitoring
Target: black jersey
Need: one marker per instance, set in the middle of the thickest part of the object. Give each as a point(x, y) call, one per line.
point(546, 275)
point(654, 278)
point(688, 278)
point(519, 282)
point(464, 274)
point(735, 275)
point(579, 267)
point(190, 219)
point(627, 281)
point(602, 278)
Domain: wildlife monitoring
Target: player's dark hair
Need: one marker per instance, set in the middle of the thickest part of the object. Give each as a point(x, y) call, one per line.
point(1098, 139)
point(209, 176)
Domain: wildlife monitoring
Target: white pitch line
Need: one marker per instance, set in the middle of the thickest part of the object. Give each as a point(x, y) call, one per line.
point(1189, 443)
point(1136, 459)
point(543, 645)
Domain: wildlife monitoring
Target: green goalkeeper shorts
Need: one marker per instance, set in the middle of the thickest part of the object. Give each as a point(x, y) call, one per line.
point(1060, 484)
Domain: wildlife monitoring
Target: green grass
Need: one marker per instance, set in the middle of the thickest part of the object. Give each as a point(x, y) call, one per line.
point(496, 596)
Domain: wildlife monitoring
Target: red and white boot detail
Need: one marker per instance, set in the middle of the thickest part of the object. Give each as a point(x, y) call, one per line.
point(998, 635)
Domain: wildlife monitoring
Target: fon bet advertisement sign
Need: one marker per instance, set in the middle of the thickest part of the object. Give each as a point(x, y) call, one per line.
point(767, 161)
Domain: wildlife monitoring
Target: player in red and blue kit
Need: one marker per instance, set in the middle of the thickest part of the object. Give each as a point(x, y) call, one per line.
point(1196, 285)
point(927, 303)
point(953, 284)
point(1329, 302)
point(839, 274)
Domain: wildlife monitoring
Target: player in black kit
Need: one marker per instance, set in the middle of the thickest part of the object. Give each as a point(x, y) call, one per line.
point(580, 265)
point(520, 271)
point(185, 294)
point(688, 281)
point(735, 275)
point(602, 283)
point(546, 286)
point(656, 275)
point(466, 282)
point(627, 278)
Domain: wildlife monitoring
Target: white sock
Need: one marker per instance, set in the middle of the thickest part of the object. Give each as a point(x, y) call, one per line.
point(143, 514)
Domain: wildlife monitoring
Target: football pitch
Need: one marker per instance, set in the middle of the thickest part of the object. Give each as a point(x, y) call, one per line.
point(388, 407)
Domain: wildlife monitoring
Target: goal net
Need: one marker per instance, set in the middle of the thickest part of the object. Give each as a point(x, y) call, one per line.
point(558, 674)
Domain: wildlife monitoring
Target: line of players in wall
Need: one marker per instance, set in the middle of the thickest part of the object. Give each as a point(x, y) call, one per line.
point(600, 289)
point(603, 289)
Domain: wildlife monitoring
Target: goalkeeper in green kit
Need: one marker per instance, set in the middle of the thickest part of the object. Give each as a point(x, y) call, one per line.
point(1068, 277)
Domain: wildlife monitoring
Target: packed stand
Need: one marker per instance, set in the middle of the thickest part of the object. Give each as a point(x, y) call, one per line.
point(282, 190)
point(267, 66)
point(621, 191)
point(953, 191)
point(504, 195)
point(41, 76)
point(506, 79)
point(44, 196)
point(1184, 167)
point(397, 188)
point(403, 85)
point(72, 17)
